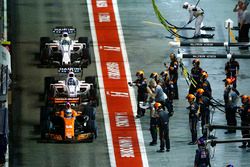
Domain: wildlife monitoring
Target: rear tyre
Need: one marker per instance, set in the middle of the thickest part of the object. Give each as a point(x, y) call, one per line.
point(44, 122)
point(85, 52)
point(43, 41)
point(93, 96)
point(47, 90)
point(44, 56)
point(92, 80)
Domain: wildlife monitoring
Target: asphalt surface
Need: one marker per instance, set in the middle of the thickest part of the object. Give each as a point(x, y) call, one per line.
point(30, 21)
point(147, 49)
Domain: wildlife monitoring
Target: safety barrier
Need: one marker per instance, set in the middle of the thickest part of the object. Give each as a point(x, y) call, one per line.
point(208, 44)
point(213, 56)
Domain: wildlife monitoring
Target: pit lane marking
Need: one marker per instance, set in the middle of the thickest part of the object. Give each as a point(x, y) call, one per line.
point(123, 142)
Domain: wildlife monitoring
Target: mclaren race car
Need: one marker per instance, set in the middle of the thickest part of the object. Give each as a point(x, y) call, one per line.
point(67, 122)
point(71, 87)
point(64, 50)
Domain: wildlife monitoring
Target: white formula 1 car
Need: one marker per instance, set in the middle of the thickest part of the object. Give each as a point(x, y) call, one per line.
point(72, 87)
point(64, 50)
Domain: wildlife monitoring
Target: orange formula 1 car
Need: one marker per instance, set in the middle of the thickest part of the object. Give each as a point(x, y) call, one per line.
point(62, 123)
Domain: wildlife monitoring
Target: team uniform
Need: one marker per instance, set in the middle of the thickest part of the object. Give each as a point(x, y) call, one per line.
point(173, 75)
point(230, 99)
point(163, 124)
point(142, 94)
point(202, 156)
point(196, 74)
point(232, 68)
point(245, 120)
point(193, 120)
point(198, 13)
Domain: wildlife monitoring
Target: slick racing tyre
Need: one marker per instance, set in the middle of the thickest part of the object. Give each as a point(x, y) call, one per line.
point(43, 41)
point(47, 91)
point(85, 52)
point(93, 91)
point(44, 121)
point(44, 56)
point(92, 80)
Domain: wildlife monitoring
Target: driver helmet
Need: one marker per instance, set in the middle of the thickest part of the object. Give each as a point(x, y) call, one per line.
point(71, 74)
point(68, 112)
point(65, 34)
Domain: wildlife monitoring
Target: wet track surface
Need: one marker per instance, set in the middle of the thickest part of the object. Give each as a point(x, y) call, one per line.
point(147, 49)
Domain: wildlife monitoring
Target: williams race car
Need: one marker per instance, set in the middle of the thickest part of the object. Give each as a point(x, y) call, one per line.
point(67, 122)
point(71, 87)
point(64, 50)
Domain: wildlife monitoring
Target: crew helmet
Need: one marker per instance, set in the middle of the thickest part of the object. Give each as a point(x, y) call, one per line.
point(244, 99)
point(164, 73)
point(190, 97)
point(157, 105)
point(204, 74)
point(154, 75)
point(140, 73)
point(200, 91)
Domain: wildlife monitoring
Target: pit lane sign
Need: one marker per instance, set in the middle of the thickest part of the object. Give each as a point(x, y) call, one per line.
point(124, 136)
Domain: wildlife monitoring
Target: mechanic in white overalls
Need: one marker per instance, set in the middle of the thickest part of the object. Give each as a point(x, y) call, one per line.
point(196, 12)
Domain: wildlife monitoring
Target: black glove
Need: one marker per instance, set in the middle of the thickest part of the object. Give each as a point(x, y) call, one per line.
point(130, 84)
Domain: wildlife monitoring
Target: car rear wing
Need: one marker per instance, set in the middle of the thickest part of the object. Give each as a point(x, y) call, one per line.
point(63, 71)
point(69, 69)
point(59, 100)
point(60, 30)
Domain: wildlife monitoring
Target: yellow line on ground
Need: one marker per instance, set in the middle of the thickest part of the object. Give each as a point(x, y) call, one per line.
point(156, 24)
point(177, 39)
point(232, 36)
point(152, 23)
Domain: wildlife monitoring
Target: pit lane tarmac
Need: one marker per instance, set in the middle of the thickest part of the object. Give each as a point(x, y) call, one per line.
point(147, 49)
